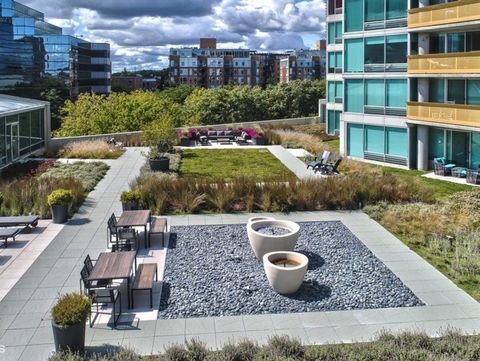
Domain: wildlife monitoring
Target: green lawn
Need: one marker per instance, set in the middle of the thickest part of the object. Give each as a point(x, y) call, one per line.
point(228, 164)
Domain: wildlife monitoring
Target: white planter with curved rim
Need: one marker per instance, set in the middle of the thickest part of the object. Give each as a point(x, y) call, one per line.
point(259, 218)
point(265, 243)
point(285, 280)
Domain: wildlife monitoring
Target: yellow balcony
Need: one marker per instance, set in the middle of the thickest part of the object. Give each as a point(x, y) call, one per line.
point(449, 13)
point(452, 114)
point(451, 63)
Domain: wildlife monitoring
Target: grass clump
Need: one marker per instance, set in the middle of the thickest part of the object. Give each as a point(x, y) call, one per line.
point(88, 173)
point(228, 164)
point(90, 149)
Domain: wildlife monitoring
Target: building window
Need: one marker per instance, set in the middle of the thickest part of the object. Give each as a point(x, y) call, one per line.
point(397, 140)
point(353, 15)
point(396, 49)
point(374, 10)
point(375, 50)
point(335, 32)
point(375, 93)
point(335, 62)
point(473, 92)
point(355, 140)
point(333, 120)
point(396, 93)
point(354, 55)
point(354, 95)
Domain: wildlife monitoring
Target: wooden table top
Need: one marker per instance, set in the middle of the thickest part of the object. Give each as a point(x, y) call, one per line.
point(133, 218)
point(111, 265)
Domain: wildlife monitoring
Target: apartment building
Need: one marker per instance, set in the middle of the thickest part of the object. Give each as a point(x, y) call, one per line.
point(303, 65)
point(403, 80)
point(31, 49)
point(210, 67)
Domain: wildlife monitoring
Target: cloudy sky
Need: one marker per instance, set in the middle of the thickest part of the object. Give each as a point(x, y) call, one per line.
point(142, 31)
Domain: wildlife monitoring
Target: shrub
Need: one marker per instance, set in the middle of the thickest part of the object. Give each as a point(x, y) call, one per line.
point(244, 351)
point(90, 149)
point(176, 353)
point(196, 349)
point(284, 346)
point(87, 173)
point(133, 196)
point(70, 309)
point(60, 197)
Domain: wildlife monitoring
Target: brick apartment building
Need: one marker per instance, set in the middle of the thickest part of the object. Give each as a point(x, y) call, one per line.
point(210, 67)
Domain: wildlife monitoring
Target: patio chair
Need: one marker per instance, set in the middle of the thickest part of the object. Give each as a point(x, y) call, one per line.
point(111, 230)
point(319, 161)
point(101, 296)
point(442, 167)
point(127, 239)
point(88, 263)
point(331, 168)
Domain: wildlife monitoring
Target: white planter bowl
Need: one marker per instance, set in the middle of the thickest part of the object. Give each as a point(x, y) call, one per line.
point(255, 219)
point(285, 280)
point(265, 243)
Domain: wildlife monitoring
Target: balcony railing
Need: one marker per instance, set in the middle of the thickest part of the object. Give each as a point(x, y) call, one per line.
point(450, 63)
point(449, 13)
point(453, 114)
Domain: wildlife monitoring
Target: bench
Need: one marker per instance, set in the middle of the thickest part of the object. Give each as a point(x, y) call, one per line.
point(6, 233)
point(144, 280)
point(158, 226)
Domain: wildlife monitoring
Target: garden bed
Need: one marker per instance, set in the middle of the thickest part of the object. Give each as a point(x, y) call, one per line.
point(211, 271)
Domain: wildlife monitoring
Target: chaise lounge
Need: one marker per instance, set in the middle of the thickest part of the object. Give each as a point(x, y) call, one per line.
point(19, 221)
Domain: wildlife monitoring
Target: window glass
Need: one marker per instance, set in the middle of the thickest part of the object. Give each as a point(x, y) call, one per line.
point(375, 92)
point(337, 120)
point(355, 140)
point(473, 41)
point(353, 15)
point(354, 95)
point(375, 50)
point(436, 143)
point(437, 44)
point(475, 151)
point(397, 142)
point(3, 151)
point(473, 92)
point(331, 92)
point(396, 93)
point(331, 122)
point(354, 55)
point(456, 91)
point(338, 59)
point(374, 10)
point(24, 130)
point(455, 42)
point(436, 90)
point(36, 127)
point(331, 62)
point(374, 139)
point(396, 49)
point(396, 9)
point(338, 90)
point(331, 33)
point(338, 29)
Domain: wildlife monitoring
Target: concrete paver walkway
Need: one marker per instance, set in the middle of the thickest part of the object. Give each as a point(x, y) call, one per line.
point(25, 324)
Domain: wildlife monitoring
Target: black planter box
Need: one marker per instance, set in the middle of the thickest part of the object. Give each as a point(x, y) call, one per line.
point(69, 338)
point(130, 206)
point(260, 141)
point(184, 142)
point(160, 165)
point(59, 213)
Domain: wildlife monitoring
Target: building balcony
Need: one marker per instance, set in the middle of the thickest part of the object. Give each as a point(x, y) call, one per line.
point(449, 63)
point(449, 114)
point(444, 14)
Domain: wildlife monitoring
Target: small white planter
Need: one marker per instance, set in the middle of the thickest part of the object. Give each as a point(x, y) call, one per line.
point(255, 219)
point(264, 243)
point(285, 271)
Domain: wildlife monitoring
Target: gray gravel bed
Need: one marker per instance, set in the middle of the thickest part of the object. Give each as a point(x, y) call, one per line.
point(212, 271)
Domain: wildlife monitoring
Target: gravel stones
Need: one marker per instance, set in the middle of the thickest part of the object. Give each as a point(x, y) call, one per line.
point(273, 231)
point(212, 271)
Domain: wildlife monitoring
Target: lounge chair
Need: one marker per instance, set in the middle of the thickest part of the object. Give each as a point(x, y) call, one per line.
point(319, 161)
point(443, 167)
point(331, 168)
point(6, 233)
point(19, 221)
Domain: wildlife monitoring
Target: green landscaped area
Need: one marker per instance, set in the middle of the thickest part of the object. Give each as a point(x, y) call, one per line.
point(228, 164)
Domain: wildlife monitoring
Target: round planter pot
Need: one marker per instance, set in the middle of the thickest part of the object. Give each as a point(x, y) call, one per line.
point(264, 243)
point(160, 165)
point(285, 271)
point(184, 142)
point(59, 213)
point(69, 338)
point(254, 219)
point(130, 206)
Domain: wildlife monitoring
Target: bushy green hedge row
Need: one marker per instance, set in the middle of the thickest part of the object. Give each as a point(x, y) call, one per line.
point(406, 347)
point(185, 106)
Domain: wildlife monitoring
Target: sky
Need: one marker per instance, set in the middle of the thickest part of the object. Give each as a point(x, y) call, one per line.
point(141, 32)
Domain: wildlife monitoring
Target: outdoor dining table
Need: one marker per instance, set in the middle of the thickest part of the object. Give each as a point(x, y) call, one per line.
point(113, 266)
point(135, 219)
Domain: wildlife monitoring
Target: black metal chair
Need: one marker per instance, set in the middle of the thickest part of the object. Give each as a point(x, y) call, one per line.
point(111, 230)
point(101, 296)
point(88, 263)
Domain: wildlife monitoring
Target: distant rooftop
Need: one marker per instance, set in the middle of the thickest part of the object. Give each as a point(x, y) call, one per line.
point(10, 104)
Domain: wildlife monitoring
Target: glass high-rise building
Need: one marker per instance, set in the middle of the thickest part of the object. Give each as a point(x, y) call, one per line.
point(404, 80)
point(31, 48)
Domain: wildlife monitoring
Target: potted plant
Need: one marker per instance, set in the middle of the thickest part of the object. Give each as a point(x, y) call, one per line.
point(184, 139)
point(130, 200)
point(260, 139)
point(69, 316)
point(160, 136)
point(58, 201)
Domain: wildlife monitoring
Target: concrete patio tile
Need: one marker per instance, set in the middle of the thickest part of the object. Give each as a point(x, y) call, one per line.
point(370, 317)
point(18, 337)
point(260, 337)
point(19, 294)
point(199, 325)
point(434, 298)
point(170, 327)
point(322, 335)
point(105, 333)
point(11, 307)
point(398, 328)
point(230, 338)
point(142, 346)
point(27, 320)
point(471, 310)
point(6, 321)
point(34, 306)
point(460, 297)
point(161, 343)
point(396, 315)
point(257, 322)
point(37, 352)
point(314, 319)
point(342, 318)
point(355, 333)
point(143, 329)
point(12, 353)
point(229, 324)
point(42, 335)
point(286, 321)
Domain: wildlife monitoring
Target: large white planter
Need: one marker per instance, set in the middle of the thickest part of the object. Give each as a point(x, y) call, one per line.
point(255, 219)
point(265, 243)
point(285, 270)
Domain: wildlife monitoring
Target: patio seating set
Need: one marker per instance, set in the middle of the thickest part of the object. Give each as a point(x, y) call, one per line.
point(324, 164)
point(10, 227)
point(98, 280)
point(444, 167)
point(223, 137)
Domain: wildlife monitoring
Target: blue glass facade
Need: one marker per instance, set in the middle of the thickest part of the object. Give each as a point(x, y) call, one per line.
point(31, 48)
